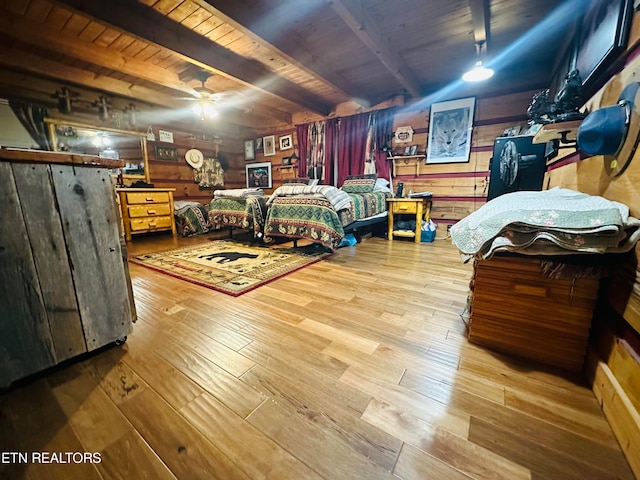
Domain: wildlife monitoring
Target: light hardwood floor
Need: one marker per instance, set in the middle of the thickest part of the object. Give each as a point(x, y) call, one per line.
point(356, 367)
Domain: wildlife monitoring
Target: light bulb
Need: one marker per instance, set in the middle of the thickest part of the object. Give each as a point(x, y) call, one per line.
point(478, 73)
point(204, 109)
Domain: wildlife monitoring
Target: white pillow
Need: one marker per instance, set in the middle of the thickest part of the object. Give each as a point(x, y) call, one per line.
point(382, 185)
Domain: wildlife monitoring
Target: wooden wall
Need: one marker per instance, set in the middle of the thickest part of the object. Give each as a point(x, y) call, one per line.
point(279, 172)
point(614, 363)
point(179, 174)
point(458, 188)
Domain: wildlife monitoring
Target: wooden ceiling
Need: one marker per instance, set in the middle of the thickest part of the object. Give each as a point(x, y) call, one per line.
point(270, 59)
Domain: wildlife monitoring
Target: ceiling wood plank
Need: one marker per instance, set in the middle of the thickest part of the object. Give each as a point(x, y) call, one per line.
point(38, 65)
point(365, 28)
point(293, 49)
point(39, 35)
point(41, 66)
point(146, 23)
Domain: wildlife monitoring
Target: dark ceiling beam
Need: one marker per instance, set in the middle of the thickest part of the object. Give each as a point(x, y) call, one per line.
point(66, 75)
point(144, 22)
point(40, 35)
point(24, 86)
point(480, 19)
point(295, 49)
point(369, 33)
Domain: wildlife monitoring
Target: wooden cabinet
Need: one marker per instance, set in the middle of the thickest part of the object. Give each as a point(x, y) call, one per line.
point(146, 210)
point(420, 207)
point(63, 270)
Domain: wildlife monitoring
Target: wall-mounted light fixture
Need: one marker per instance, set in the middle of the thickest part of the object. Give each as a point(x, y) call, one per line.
point(479, 72)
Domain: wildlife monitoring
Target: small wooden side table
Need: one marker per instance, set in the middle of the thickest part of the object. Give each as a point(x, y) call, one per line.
point(420, 206)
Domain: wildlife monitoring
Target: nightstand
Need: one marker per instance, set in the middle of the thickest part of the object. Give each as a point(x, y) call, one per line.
point(146, 210)
point(420, 207)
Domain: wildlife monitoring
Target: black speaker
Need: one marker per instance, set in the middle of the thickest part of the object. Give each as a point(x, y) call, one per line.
point(517, 164)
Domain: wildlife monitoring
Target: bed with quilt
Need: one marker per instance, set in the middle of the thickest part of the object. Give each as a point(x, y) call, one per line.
point(323, 213)
point(191, 218)
point(240, 208)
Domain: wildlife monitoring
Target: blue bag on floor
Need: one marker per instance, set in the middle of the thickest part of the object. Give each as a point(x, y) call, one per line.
point(348, 241)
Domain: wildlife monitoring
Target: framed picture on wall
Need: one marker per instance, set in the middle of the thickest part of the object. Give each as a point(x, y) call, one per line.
point(269, 145)
point(258, 175)
point(286, 142)
point(450, 127)
point(602, 35)
point(249, 150)
point(166, 153)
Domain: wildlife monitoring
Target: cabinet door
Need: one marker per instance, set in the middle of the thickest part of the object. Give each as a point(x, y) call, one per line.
point(25, 339)
point(90, 222)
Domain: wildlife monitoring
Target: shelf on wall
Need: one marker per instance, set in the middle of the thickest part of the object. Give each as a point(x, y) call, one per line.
point(404, 158)
point(285, 167)
point(566, 132)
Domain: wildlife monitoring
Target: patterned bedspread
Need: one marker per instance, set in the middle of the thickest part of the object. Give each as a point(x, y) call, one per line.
point(312, 217)
point(192, 220)
point(246, 212)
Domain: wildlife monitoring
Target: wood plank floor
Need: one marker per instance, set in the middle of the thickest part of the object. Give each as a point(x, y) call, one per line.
point(356, 367)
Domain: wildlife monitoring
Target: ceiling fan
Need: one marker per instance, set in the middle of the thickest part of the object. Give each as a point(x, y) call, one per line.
point(209, 103)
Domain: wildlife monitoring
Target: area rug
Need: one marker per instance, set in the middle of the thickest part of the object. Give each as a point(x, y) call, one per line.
point(230, 267)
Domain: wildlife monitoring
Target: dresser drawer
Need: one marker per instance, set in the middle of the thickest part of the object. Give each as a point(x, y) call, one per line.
point(149, 210)
point(147, 197)
point(150, 223)
point(404, 207)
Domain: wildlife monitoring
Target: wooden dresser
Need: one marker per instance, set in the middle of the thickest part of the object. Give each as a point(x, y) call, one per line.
point(146, 210)
point(63, 269)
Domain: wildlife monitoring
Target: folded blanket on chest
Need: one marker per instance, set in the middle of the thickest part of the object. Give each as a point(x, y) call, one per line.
point(339, 199)
point(238, 193)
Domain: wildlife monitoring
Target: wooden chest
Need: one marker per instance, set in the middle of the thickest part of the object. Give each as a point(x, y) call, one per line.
point(516, 309)
point(146, 210)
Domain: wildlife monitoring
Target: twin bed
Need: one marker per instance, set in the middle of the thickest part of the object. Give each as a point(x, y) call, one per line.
point(242, 208)
point(321, 214)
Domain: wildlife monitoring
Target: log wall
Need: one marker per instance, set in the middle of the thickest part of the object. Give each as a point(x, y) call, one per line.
point(614, 363)
point(458, 188)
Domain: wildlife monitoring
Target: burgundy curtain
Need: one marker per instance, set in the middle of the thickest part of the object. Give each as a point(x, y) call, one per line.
point(301, 132)
point(345, 145)
point(352, 138)
point(384, 127)
point(330, 152)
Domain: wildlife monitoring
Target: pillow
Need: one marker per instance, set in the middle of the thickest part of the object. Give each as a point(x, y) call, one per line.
point(359, 183)
point(382, 185)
